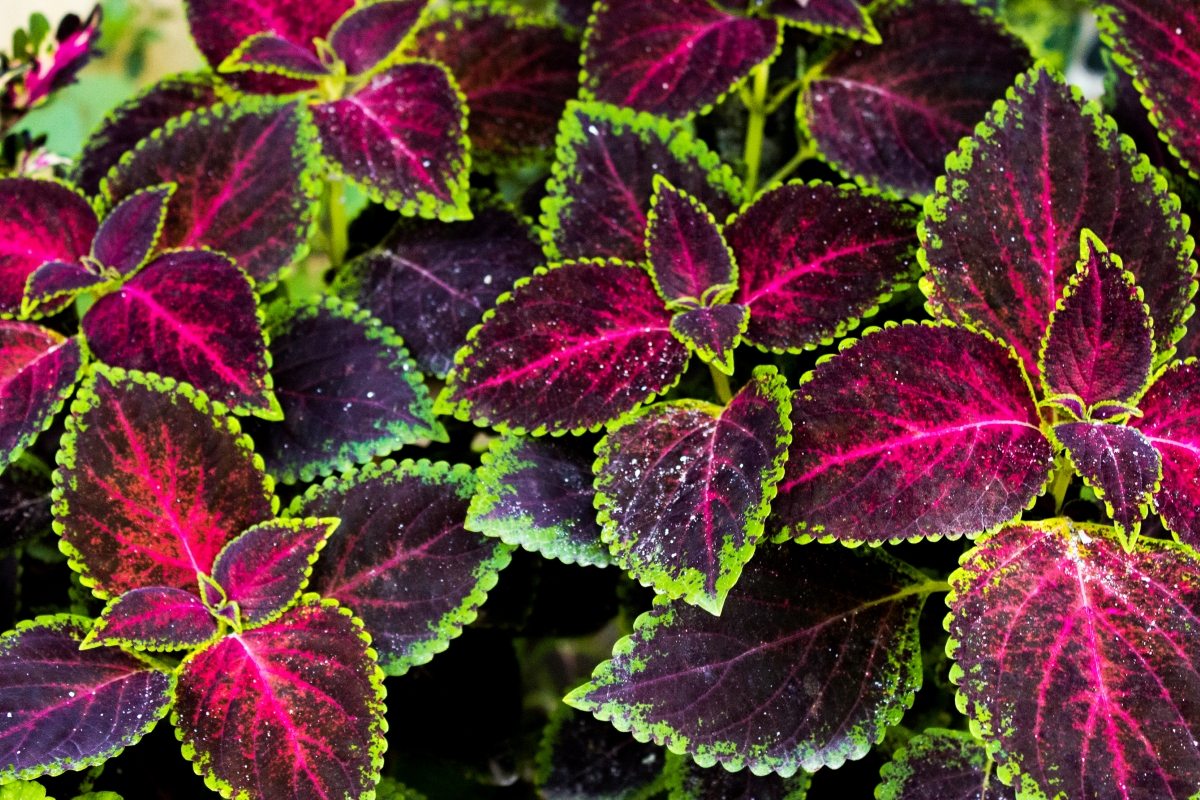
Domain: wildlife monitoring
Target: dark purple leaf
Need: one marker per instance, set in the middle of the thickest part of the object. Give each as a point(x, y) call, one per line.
point(582, 758)
point(54, 285)
point(1099, 347)
point(1171, 421)
point(265, 52)
point(347, 388)
point(876, 114)
point(687, 780)
point(431, 281)
point(154, 618)
point(683, 488)
point(369, 33)
point(815, 655)
point(289, 711)
point(1077, 660)
point(130, 231)
point(916, 431)
point(814, 259)
point(219, 26)
point(712, 332)
point(599, 195)
point(69, 709)
point(569, 349)
point(401, 558)
point(244, 177)
point(38, 371)
point(40, 221)
point(1120, 463)
point(401, 137)
point(846, 17)
point(942, 765)
point(689, 260)
point(190, 315)
point(25, 502)
point(517, 70)
point(536, 492)
point(671, 58)
point(135, 119)
point(1003, 244)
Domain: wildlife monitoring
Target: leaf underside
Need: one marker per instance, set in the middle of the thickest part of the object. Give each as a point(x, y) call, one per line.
point(38, 371)
point(941, 765)
point(582, 757)
point(1171, 422)
point(40, 221)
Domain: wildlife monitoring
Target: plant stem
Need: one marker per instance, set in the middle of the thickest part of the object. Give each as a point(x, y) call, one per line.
point(754, 130)
point(335, 199)
point(806, 152)
point(1062, 481)
point(721, 384)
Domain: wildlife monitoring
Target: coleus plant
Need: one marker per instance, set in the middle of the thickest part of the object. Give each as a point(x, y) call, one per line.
point(41, 64)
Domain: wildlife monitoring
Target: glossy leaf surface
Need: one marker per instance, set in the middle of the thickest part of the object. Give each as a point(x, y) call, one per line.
point(712, 332)
point(129, 232)
point(537, 492)
point(154, 618)
point(1099, 346)
point(827, 16)
point(135, 119)
point(1171, 422)
point(1002, 248)
point(38, 370)
point(347, 389)
point(432, 281)
point(687, 780)
point(604, 178)
point(813, 260)
point(942, 765)
point(151, 484)
point(40, 221)
point(219, 26)
point(582, 757)
point(264, 52)
point(876, 115)
point(401, 138)
point(266, 568)
point(672, 59)
point(1077, 660)
point(71, 708)
point(1121, 463)
point(517, 71)
point(370, 32)
point(401, 558)
point(814, 655)
point(915, 431)
point(189, 315)
point(309, 679)
point(571, 348)
point(244, 178)
point(54, 285)
point(683, 488)
point(688, 256)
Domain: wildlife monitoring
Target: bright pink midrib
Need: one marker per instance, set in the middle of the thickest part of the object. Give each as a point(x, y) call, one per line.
point(80, 695)
point(811, 266)
point(414, 162)
point(200, 225)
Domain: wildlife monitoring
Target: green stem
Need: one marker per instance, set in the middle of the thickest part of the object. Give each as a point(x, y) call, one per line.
point(754, 129)
point(1062, 481)
point(783, 94)
point(787, 169)
point(721, 384)
point(339, 238)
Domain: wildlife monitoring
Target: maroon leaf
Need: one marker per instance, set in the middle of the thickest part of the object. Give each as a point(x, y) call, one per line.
point(604, 178)
point(1171, 422)
point(66, 708)
point(1077, 660)
point(54, 285)
point(1099, 345)
point(38, 371)
point(570, 349)
point(154, 618)
point(219, 26)
point(846, 17)
point(135, 119)
point(347, 388)
point(1119, 462)
point(264, 52)
point(287, 711)
point(582, 758)
point(402, 138)
point(189, 315)
point(369, 33)
point(876, 115)
point(942, 765)
point(25, 503)
point(689, 260)
point(683, 488)
point(40, 221)
point(672, 59)
point(244, 181)
point(401, 558)
point(518, 71)
point(813, 260)
point(151, 484)
point(431, 281)
point(266, 568)
point(918, 430)
point(712, 332)
point(1001, 248)
point(1158, 43)
point(129, 233)
point(814, 656)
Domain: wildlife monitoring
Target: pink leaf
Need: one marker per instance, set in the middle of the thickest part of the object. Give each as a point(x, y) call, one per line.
point(154, 618)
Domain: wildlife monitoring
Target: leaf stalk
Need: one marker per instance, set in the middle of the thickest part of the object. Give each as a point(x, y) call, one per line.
point(721, 384)
point(757, 104)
